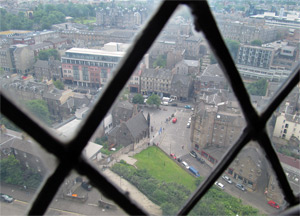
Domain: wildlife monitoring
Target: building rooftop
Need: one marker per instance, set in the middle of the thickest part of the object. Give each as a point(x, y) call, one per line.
point(96, 52)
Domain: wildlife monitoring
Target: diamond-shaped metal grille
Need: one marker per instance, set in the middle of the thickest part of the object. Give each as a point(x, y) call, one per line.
point(69, 154)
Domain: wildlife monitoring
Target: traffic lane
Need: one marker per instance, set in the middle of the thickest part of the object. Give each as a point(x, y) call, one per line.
point(177, 135)
point(18, 207)
point(203, 169)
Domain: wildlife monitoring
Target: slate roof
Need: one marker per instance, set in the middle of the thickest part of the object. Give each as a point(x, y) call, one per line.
point(185, 80)
point(137, 124)
point(54, 95)
point(42, 45)
point(125, 105)
point(191, 63)
point(157, 73)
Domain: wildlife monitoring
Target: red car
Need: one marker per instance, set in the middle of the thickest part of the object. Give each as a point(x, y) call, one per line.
point(174, 120)
point(173, 156)
point(273, 204)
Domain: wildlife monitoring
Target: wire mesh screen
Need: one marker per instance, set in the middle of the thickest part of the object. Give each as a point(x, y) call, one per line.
point(69, 154)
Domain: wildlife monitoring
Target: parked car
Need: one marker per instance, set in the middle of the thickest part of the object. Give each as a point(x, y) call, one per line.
point(185, 164)
point(187, 107)
point(86, 185)
point(6, 198)
point(179, 160)
point(274, 204)
point(188, 125)
point(240, 186)
point(174, 120)
point(227, 179)
point(193, 154)
point(201, 160)
point(173, 156)
point(219, 185)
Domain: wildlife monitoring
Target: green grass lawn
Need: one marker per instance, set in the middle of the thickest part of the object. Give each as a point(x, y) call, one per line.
point(85, 20)
point(162, 167)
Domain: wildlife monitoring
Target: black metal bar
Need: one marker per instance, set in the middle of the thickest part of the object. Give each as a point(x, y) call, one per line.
point(143, 42)
point(31, 127)
point(226, 160)
point(109, 190)
point(282, 93)
point(266, 144)
point(47, 193)
point(205, 22)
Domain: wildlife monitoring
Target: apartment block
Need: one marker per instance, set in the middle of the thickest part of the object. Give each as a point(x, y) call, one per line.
point(89, 67)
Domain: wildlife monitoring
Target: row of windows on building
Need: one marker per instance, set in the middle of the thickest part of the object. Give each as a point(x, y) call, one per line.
point(94, 57)
point(88, 63)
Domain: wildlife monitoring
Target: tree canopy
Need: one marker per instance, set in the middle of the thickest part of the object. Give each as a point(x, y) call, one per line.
point(258, 88)
point(154, 100)
point(138, 99)
point(233, 47)
point(161, 61)
point(44, 16)
point(10, 170)
point(59, 84)
point(256, 43)
point(39, 108)
point(46, 54)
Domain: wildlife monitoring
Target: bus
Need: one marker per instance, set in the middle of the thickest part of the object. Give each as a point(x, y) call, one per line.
point(194, 171)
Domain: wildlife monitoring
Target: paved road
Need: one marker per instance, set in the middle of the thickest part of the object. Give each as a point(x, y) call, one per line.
point(174, 136)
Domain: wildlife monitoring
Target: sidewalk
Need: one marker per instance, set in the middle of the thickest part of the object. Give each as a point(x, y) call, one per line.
point(134, 193)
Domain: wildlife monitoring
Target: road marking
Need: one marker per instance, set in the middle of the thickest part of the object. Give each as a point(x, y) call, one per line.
point(92, 204)
point(21, 201)
point(74, 213)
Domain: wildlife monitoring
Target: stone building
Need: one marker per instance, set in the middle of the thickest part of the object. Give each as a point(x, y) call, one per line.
point(130, 132)
point(122, 111)
point(55, 100)
point(17, 58)
point(287, 126)
point(25, 151)
point(187, 67)
point(156, 81)
point(50, 69)
point(27, 89)
point(212, 127)
point(181, 86)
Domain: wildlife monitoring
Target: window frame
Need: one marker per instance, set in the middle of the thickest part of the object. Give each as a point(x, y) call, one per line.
point(69, 152)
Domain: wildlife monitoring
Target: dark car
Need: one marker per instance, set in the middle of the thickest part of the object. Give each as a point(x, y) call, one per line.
point(86, 185)
point(240, 186)
point(6, 198)
point(174, 104)
point(179, 160)
point(201, 160)
point(193, 154)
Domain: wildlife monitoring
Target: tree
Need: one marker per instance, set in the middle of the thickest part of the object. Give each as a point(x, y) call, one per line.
point(39, 108)
point(233, 47)
point(154, 100)
point(258, 88)
point(256, 43)
point(138, 99)
point(46, 54)
point(161, 61)
point(59, 84)
point(10, 170)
